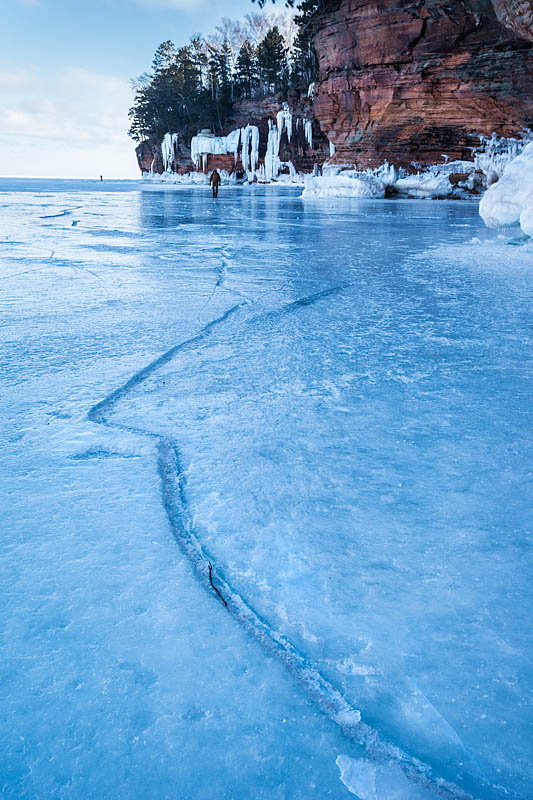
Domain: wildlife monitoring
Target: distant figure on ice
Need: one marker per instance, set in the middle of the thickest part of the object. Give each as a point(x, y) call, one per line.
point(101, 177)
point(215, 180)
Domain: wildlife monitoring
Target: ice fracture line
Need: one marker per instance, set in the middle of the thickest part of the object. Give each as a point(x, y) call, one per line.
point(329, 699)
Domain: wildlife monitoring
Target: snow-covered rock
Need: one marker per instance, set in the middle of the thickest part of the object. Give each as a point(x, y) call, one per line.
point(433, 182)
point(510, 200)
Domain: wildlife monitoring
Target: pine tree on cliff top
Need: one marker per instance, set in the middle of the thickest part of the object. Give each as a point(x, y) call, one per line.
point(272, 61)
point(246, 72)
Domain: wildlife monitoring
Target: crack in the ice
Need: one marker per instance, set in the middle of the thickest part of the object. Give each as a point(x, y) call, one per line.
point(63, 213)
point(329, 699)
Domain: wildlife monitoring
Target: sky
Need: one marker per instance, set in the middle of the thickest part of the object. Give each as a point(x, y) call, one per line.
point(65, 70)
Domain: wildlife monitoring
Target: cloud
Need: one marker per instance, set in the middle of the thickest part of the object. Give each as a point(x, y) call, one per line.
point(73, 112)
point(13, 80)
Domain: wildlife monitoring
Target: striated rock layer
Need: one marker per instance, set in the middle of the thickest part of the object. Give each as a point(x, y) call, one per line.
point(410, 81)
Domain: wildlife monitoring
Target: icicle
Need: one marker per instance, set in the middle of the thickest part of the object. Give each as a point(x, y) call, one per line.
point(272, 162)
point(331, 149)
point(308, 130)
point(168, 150)
point(255, 147)
point(280, 119)
point(249, 148)
point(311, 91)
point(232, 143)
point(288, 120)
point(284, 120)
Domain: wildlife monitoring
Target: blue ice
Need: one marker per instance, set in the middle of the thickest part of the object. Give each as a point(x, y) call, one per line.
point(327, 402)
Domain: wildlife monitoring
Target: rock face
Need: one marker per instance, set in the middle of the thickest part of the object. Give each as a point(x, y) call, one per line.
point(250, 112)
point(411, 80)
point(517, 15)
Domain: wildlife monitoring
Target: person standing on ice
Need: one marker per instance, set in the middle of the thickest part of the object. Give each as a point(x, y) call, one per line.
point(215, 180)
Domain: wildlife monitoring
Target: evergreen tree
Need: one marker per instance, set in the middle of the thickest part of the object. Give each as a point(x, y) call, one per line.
point(246, 72)
point(272, 61)
point(225, 81)
point(164, 58)
point(304, 63)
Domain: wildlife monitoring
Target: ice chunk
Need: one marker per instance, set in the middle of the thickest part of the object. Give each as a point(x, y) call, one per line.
point(345, 185)
point(379, 781)
point(510, 200)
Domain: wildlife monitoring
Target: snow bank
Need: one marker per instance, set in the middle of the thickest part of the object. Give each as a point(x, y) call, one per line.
point(510, 200)
point(348, 184)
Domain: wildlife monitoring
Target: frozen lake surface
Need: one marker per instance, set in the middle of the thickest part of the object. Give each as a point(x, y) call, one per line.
point(327, 401)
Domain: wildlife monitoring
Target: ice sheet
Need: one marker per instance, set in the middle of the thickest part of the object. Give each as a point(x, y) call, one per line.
point(352, 457)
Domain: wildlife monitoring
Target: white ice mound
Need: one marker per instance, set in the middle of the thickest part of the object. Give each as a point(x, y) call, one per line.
point(348, 184)
point(510, 200)
point(434, 181)
point(370, 781)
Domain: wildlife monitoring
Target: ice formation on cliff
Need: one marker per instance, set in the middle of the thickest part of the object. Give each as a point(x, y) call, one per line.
point(249, 148)
point(241, 140)
point(272, 160)
point(452, 179)
point(510, 200)
point(308, 131)
point(284, 120)
point(496, 152)
point(168, 150)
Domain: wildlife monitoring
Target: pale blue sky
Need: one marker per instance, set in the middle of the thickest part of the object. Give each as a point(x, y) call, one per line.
point(65, 67)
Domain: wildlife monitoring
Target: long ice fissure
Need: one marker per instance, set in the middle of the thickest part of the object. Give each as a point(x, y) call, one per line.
point(328, 698)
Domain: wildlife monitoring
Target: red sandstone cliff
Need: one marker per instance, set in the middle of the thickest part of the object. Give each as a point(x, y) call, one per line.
point(410, 80)
point(517, 15)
